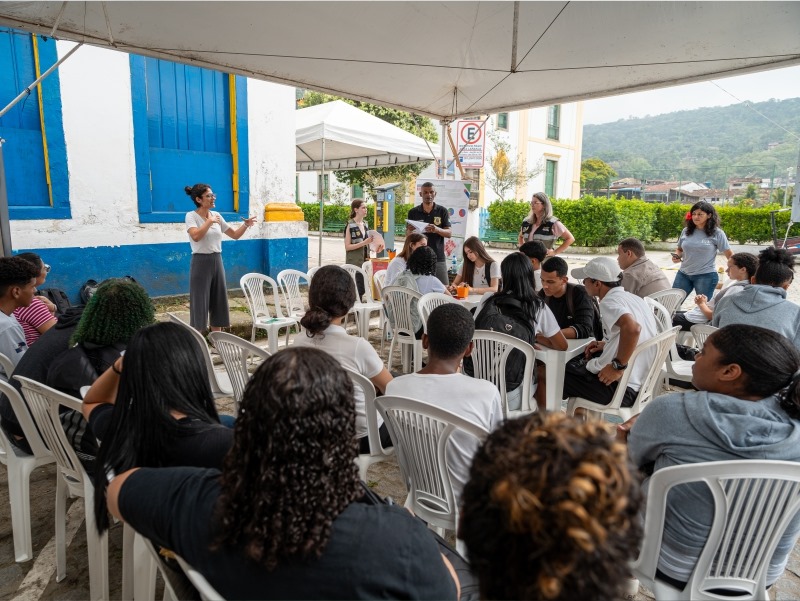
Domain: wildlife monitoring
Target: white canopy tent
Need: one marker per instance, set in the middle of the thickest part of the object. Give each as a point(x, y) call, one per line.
point(338, 136)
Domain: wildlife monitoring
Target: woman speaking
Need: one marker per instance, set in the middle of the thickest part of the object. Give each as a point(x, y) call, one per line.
point(208, 296)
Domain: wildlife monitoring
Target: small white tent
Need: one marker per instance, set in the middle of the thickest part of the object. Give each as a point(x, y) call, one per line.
point(353, 140)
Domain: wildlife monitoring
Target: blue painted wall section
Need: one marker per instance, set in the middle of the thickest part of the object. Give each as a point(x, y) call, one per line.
point(163, 269)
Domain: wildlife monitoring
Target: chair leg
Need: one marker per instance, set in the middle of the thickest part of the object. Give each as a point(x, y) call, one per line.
point(144, 572)
point(19, 492)
point(97, 548)
point(61, 523)
point(128, 563)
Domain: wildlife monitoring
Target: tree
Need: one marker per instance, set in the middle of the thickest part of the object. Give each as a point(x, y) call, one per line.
point(596, 174)
point(369, 178)
point(505, 174)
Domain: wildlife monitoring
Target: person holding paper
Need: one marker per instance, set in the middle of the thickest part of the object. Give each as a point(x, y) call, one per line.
point(357, 239)
point(438, 228)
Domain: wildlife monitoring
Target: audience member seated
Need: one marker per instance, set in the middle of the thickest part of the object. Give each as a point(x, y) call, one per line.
point(747, 406)
point(741, 267)
point(536, 253)
point(640, 276)
point(118, 309)
point(550, 511)
point(17, 286)
point(571, 305)
point(38, 317)
point(285, 519)
point(629, 321)
point(524, 315)
point(331, 295)
point(420, 277)
point(398, 265)
point(154, 408)
point(448, 341)
point(765, 302)
point(479, 272)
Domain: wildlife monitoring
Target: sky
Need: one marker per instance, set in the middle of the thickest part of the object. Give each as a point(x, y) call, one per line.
point(756, 87)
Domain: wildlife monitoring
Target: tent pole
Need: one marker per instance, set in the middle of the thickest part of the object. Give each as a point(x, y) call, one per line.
point(5, 228)
point(321, 202)
point(443, 162)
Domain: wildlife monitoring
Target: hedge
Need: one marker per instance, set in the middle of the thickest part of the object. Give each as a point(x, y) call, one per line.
point(337, 215)
point(604, 222)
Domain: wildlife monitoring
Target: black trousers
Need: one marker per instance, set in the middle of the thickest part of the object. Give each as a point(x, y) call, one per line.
point(580, 382)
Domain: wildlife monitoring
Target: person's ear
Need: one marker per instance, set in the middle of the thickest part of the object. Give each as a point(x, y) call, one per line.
point(752, 279)
point(730, 372)
point(469, 348)
point(15, 290)
point(425, 341)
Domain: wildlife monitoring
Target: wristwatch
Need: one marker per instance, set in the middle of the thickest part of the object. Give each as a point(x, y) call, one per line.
point(618, 365)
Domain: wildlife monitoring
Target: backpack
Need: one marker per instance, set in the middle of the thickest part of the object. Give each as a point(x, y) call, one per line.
point(597, 323)
point(58, 297)
point(90, 287)
point(504, 314)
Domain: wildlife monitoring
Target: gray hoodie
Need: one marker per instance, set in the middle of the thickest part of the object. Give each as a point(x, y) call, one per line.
point(763, 306)
point(693, 427)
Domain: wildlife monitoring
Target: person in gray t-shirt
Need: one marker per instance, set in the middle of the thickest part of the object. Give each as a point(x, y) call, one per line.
point(698, 245)
point(17, 286)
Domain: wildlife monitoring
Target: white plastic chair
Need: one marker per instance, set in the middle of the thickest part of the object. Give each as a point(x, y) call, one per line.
point(377, 453)
point(399, 301)
point(253, 285)
point(701, 332)
point(207, 592)
point(378, 279)
point(754, 502)
point(19, 466)
point(674, 367)
point(235, 353)
point(219, 389)
point(7, 365)
point(429, 302)
point(420, 433)
point(289, 281)
point(72, 481)
point(366, 305)
point(490, 353)
point(310, 273)
point(662, 343)
point(671, 299)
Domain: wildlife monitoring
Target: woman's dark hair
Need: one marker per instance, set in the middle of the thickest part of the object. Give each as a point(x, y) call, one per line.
point(33, 259)
point(332, 293)
point(551, 511)
point(163, 370)
point(196, 192)
point(517, 276)
point(118, 309)
point(357, 202)
point(476, 246)
point(746, 261)
point(411, 240)
point(713, 218)
point(422, 261)
point(775, 267)
point(291, 470)
point(769, 361)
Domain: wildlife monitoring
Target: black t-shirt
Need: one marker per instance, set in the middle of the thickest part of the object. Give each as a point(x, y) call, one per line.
point(198, 444)
point(374, 552)
point(439, 217)
point(582, 320)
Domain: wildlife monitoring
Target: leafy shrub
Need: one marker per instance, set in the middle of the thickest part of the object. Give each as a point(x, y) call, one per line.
point(340, 214)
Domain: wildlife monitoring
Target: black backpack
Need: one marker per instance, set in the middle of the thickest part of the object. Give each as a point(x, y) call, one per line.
point(58, 297)
point(504, 314)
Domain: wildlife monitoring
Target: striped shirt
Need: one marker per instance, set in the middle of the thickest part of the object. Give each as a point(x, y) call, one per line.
point(31, 318)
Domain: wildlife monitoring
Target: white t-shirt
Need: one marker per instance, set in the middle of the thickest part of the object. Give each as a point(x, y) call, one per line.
point(395, 268)
point(695, 315)
point(352, 352)
point(479, 275)
point(212, 241)
point(12, 340)
point(617, 303)
point(475, 400)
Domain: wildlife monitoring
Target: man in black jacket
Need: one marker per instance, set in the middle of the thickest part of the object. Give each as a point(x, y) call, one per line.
point(572, 307)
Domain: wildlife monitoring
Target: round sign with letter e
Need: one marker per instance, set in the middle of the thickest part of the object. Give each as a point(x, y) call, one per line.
point(471, 146)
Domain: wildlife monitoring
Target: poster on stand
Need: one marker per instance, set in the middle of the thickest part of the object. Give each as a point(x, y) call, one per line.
point(454, 196)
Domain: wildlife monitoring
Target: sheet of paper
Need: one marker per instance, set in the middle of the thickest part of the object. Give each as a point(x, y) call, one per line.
point(378, 243)
point(419, 226)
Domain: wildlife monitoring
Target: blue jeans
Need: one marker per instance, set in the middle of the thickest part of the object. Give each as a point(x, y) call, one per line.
point(703, 283)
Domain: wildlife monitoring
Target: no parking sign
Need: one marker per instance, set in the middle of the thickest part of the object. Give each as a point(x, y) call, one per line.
point(471, 143)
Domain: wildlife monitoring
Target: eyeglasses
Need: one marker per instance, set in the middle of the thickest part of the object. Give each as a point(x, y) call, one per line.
point(46, 268)
point(214, 196)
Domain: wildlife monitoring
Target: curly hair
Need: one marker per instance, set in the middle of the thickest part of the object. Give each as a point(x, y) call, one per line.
point(422, 261)
point(118, 309)
point(713, 218)
point(291, 470)
point(332, 293)
point(551, 511)
point(746, 261)
point(775, 267)
point(15, 271)
point(450, 331)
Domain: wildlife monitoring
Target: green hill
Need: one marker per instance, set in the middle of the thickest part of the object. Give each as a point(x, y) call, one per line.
point(704, 145)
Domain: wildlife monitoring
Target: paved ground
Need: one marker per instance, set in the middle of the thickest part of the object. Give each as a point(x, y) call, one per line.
point(36, 579)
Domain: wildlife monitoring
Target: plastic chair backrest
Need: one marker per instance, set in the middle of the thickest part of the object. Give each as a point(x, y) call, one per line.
point(378, 279)
point(662, 343)
point(367, 387)
point(420, 433)
point(353, 271)
point(7, 365)
point(235, 353)
point(399, 301)
point(701, 332)
point(253, 285)
point(25, 420)
point(44, 403)
point(429, 302)
point(489, 356)
point(207, 592)
point(662, 314)
point(754, 503)
point(671, 299)
point(289, 282)
point(312, 271)
point(216, 387)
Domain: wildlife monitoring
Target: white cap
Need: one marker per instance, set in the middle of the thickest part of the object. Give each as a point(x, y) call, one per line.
point(603, 269)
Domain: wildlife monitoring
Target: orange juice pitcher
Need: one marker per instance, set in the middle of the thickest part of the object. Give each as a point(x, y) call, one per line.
point(462, 291)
